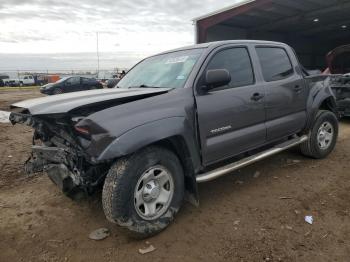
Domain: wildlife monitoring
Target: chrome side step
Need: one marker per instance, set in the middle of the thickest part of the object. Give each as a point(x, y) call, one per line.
point(249, 160)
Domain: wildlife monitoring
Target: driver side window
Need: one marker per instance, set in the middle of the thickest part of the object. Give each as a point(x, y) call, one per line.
point(73, 81)
point(238, 63)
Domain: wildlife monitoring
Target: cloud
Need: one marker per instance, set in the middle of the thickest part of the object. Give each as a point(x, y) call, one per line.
point(170, 14)
point(20, 37)
point(140, 27)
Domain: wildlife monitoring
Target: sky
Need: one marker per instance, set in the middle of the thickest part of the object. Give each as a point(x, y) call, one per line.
point(61, 34)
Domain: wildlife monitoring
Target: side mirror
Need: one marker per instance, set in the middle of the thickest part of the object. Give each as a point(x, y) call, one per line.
point(216, 77)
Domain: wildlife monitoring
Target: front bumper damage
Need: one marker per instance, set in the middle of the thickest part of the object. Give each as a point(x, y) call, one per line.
point(56, 151)
point(54, 161)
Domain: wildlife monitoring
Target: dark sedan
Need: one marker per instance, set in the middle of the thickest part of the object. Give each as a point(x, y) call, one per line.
point(70, 84)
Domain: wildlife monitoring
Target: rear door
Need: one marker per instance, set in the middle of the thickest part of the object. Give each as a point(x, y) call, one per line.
point(231, 118)
point(85, 83)
point(286, 93)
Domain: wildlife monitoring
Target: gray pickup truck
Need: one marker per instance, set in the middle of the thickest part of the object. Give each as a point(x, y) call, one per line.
point(176, 119)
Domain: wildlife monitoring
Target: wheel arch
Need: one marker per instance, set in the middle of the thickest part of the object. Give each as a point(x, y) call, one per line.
point(329, 104)
point(177, 144)
point(321, 102)
point(175, 134)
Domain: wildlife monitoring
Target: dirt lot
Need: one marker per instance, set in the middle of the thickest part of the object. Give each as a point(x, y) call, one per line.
point(241, 217)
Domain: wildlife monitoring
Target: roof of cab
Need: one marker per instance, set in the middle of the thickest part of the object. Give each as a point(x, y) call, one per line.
point(220, 43)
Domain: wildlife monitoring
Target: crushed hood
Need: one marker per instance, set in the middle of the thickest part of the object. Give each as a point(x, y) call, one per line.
point(64, 103)
point(334, 58)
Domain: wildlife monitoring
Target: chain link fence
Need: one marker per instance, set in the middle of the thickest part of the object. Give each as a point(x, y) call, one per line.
point(42, 77)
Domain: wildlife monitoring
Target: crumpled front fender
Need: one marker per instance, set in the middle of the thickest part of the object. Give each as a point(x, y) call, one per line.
point(149, 133)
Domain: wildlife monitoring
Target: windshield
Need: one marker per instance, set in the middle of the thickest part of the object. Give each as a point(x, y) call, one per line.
point(168, 70)
point(62, 79)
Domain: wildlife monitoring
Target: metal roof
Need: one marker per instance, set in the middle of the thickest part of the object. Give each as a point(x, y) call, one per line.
point(243, 2)
point(309, 18)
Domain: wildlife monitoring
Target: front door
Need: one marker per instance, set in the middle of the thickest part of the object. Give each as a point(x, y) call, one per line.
point(231, 117)
point(73, 84)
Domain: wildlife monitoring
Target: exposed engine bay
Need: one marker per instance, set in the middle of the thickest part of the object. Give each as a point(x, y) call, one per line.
point(340, 85)
point(57, 150)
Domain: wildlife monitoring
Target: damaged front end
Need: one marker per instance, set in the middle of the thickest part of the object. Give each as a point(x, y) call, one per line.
point(68, 140)
point(340, 85)
point(58, 150)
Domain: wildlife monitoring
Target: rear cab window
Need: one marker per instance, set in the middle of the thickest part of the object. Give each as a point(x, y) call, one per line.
point(275, 63)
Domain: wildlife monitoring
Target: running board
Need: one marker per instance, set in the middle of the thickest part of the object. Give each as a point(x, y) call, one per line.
point(211, 175)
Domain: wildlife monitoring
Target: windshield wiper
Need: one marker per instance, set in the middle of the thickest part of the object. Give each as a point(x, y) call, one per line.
point(142, 86)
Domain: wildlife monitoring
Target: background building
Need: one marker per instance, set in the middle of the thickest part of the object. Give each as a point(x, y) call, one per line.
point(311, 27)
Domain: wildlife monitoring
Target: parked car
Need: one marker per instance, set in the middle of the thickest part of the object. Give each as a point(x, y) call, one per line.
point(177, 119)
point(111, 83)
point(340, 85)
point(25, 80)
point(70, 84)
point(41, 80)
point(2, 78)
point(338, 61)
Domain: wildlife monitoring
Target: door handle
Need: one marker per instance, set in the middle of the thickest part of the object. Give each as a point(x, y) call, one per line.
point(257, 97)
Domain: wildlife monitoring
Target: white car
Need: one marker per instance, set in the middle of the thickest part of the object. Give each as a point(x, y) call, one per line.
point(25, 80)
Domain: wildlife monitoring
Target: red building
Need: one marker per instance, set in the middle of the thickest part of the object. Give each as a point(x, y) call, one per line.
point(311, 27)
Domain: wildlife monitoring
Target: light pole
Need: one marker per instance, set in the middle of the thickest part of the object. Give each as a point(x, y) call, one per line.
point(98, 56)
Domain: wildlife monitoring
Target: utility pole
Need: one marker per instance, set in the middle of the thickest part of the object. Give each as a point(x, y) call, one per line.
point(98, 56)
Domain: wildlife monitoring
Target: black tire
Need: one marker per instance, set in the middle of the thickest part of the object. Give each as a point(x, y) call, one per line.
point(57, 91)
point(311, 148)
point(121, 181)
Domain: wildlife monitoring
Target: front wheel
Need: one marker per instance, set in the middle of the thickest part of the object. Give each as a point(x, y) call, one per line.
point(57, 91)
point(323, 136)
point(143, 192)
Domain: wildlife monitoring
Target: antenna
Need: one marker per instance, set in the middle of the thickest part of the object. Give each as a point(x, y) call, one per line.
point(98, 56)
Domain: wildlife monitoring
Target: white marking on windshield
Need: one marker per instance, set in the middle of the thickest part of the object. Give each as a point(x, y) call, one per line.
point(175, 60)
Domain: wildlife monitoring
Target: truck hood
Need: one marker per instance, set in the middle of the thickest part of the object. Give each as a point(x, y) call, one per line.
point(64, 103)
point(337, 58)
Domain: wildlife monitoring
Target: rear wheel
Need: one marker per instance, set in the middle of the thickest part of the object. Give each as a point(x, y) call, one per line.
point(323, 136)
point(144, 191)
